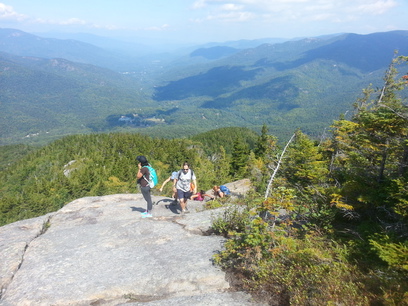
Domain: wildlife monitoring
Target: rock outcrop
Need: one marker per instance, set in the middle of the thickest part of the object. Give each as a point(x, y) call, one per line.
point(99, 251)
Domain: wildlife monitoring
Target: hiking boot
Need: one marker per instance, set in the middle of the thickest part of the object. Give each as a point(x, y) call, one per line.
point(147, 215)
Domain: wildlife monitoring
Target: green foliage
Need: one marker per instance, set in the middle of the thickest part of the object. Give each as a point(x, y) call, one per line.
point(247, 246)
point(398, 196)
point(395, 254)
point(262, 145)
point(344, 240)
point(213, 204)
point(45, 179)
point(12, 153)
point(235, 218)
point(304, 162)
point(371, 151)
point(291, 271)
point(226, 137)
point(280, 198)
point(239, 158)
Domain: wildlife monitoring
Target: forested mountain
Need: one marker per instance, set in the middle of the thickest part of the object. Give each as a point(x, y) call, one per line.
point(303, 83)
point(24, 44)
point(288, 85)
point(60, 97)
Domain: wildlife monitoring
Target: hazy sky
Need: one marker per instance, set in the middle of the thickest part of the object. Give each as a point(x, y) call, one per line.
point(205, 20)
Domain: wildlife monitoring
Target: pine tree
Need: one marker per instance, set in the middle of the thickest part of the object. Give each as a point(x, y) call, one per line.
point(371, 149)
point(262, 144)
point(239, 159)
point(304, 164)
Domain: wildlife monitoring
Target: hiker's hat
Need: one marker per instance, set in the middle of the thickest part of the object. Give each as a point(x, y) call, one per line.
point(142, 159)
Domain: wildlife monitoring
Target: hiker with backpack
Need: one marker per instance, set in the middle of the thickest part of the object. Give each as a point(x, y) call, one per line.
point(221, 191)
point(146, 178)
point(186, 185)
point(173, 177)
point(200, 196)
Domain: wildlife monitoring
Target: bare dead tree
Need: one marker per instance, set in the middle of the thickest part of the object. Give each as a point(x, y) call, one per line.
point(277, 167)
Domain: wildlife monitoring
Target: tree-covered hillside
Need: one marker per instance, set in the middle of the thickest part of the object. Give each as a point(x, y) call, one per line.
point(297, 84)
point(304, 84)
point(21, 43)
point(55, 97)
point(44, 179)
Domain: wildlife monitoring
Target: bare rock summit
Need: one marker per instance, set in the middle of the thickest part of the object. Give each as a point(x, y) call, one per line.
point(99, 251)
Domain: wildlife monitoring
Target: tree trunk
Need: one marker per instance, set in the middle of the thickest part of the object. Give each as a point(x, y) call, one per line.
point(277, 167)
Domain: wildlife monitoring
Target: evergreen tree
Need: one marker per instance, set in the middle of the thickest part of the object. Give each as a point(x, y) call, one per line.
point(222, 167)
point(262, 144)
point(370, 151)
point(239, 159)
point(304, 164)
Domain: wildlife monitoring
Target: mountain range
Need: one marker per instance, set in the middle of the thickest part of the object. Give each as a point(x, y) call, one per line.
point(53, 87)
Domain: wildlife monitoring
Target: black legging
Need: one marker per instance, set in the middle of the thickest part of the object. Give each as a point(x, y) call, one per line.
point(147, 197)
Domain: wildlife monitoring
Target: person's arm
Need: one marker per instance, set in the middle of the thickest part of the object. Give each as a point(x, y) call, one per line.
point(195, 186)
point(164, 183)
point(139, 173)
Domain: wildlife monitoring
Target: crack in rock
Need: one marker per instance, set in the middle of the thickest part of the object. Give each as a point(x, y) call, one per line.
point(15, 260)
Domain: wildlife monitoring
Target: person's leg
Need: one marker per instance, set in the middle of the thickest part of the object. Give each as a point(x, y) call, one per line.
point(182, 204)
point(182, 198)
point(186, 197)
point(147, 196)
point(175, 197)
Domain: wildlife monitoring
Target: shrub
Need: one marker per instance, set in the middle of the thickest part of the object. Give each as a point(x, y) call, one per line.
point(233, 219)
point(311, 271)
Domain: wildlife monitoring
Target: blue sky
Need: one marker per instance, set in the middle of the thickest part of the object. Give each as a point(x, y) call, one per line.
point(200, 21)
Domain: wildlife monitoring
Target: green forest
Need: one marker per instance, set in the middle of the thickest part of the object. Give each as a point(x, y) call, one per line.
point(344, 239)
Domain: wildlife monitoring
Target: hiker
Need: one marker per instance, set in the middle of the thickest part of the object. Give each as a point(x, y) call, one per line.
point(143, 176)
point(172, 177)
point(221, 191)
point(199, 196)
point(185, 183)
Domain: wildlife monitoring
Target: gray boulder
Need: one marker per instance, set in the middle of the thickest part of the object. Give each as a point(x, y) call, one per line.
point(98, 250)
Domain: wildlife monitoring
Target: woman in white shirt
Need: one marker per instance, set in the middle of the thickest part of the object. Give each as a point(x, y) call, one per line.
point(183, 184)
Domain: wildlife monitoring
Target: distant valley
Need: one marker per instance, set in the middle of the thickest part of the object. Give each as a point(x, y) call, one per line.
point(54, 87)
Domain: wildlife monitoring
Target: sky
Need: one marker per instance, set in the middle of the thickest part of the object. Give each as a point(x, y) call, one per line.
point(201, 21)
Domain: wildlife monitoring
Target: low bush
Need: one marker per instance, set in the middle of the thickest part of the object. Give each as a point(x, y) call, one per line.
point(281, 267)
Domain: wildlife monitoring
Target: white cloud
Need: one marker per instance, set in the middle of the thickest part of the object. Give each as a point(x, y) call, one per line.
point(307, 10)
point(68, 22)
point(199, 4)
point(73, 21)
point(231, 7)
point(164, 27)
point(377, 7)
point(235, 16)
point(7, 13)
